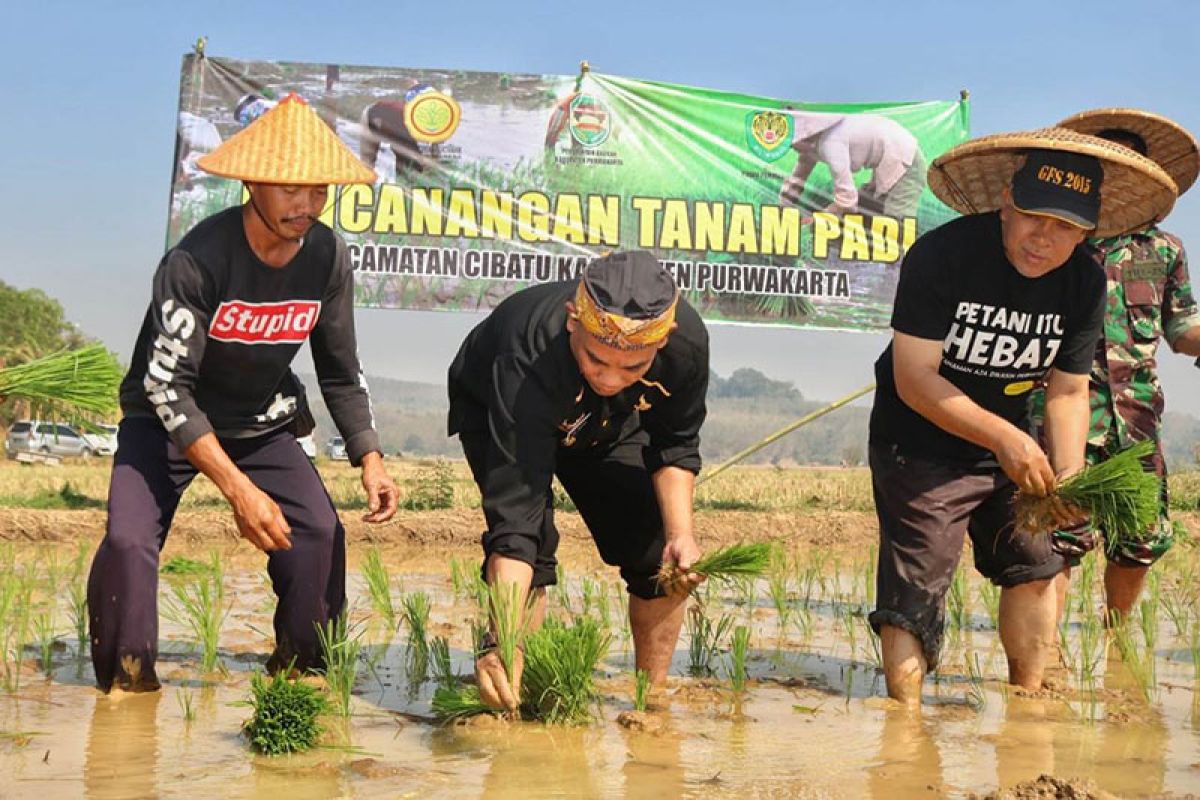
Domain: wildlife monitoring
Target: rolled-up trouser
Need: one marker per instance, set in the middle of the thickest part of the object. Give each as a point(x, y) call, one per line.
point(148, 478)
point(615, 496)
point(925, 509)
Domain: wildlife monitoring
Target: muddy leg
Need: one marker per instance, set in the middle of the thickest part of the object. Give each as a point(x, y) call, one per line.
point(904, 665)
point(1122, 585)
point(1027, 630)
point(656, 624)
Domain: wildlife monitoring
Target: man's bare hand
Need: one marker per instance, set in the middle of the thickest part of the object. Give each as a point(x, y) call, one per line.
point(682, 551)
point(1026, 465)
point(259, 519)
point(494, 687)
point(383, 498)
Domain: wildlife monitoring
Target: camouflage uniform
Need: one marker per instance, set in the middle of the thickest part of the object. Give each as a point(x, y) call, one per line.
point(1149, 298)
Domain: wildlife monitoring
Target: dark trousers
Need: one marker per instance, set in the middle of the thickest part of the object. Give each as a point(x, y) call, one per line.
point(149, 476)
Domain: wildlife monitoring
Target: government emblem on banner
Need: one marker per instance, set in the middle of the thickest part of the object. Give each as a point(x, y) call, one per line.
point(431, 116)
point(590, 122)
point(768, 134)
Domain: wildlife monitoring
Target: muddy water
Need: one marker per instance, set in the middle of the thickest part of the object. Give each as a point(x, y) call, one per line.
point(813, 723)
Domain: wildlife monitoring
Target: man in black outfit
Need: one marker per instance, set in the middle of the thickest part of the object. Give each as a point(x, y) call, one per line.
point(988, 306)
point(210, 389)
point(600, 381)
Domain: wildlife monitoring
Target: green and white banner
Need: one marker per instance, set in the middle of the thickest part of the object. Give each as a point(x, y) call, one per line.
point(766, 211)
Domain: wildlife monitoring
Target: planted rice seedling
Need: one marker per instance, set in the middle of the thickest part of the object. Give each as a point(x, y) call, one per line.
point(704, 639)
point(199, 605)
point(77, 596)
point(989, 595)
point(340, 649)
point(738, 652)
point(641, 689)
point(976, 696)
point(726, 564)
point(379, 588)
point(777, 585)
point(557, 684)
point(43, 628)
point(443, 666)
point(958, 601)
point(1119, 495)
point(187, 705)
point(416, 608)
point(1140, 666)
point(286, 713)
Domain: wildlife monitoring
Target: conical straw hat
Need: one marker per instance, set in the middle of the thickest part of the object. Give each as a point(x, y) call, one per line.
point(290, 145)
point(1168, 143)
point(971, 177)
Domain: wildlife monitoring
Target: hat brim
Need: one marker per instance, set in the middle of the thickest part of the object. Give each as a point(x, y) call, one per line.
point(971, 178)
point(1168, 143)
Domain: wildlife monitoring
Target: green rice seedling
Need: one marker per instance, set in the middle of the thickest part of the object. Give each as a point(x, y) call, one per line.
point(989, 595)
point(777, 586)
point(1148, 617)
point(603, 610)
point(458, 702)
point(68, 383)
point(416, 614)
point(846, 619)
point(560, 592)
point(641, 689)
point(1120, 496)
point(186, 704)
point(869, 574)
point(876, 651)
point(704, 639)
point(340, 649)
point(16, 589)
point(976, 696)
point(1140, 666)
point(726, 564)
point(557, 684)
point(1179, 610)
point(182, 565)
point(43, 628)
point(199, 605)
point(379, 589)
point(804, 623)
point(507, 614)
point(1084, 587)
point(286, 715)
point(957, 600)
point(443, 666)
point(77, 596)
point(1090, 651)
point(479, 630)
point(737, 658)
point(479, 590)
point(459, 577)
point(588, 590)
point(1194, 649)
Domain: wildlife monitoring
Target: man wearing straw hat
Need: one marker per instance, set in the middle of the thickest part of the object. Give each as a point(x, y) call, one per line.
point(986, 307)
point(1149, 298)
point(210, 390)
point(601, 382)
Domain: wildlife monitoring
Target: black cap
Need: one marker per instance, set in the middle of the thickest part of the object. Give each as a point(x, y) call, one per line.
point(1059, 184)
point(631, 284)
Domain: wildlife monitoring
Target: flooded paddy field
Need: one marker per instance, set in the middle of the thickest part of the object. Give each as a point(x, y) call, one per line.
point(1120, 713)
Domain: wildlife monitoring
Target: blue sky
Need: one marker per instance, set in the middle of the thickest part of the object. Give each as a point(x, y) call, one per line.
point(91, 91)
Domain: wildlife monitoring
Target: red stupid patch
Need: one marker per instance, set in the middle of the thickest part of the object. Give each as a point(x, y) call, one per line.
point(264, 323)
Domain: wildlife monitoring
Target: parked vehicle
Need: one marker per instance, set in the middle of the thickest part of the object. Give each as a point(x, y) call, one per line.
point(335, 448)
point(54, 439)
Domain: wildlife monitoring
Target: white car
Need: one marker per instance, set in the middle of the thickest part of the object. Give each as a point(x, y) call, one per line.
point(308, 446)
point(335, 448)
point(54, 439)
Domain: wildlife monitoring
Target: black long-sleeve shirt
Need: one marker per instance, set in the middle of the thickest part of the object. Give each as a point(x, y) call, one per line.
point(516, 380)
point(215, 350)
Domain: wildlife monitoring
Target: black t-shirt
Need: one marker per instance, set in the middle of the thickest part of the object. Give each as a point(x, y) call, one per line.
point(1000, 331)
point(215, 349)
point(516, 381)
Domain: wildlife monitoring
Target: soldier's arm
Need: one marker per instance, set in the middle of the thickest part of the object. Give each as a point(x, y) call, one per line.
point(1181, 316)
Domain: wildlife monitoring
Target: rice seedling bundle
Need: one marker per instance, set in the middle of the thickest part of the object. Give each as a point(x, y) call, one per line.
point(1121, 497)
point(738, 561)
point(69, 382)
point(558, 686)
point(458, 702)
point(285, 715)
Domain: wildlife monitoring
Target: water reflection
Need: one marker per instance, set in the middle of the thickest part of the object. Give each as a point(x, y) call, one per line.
point(121, 758)
point(909, 762)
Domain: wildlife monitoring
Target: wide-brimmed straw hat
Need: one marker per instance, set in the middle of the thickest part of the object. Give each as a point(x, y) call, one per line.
point(1135, 192)
point(290, 145)
point(1168, 143)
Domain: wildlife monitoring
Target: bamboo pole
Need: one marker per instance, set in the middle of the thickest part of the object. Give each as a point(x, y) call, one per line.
point(784, 431)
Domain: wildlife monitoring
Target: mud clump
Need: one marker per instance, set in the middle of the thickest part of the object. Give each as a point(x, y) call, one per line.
point(641, 722)
point(1048, 787)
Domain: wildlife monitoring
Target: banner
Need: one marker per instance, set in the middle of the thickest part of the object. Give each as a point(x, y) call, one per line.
point(766, 211)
